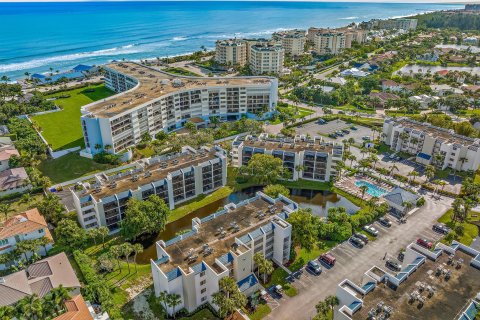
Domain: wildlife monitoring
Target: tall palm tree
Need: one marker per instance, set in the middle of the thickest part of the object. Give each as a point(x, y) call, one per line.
point(137, 248)
point(5, 209)
point(173, 301)
point(163, 297)
point(59, 296)
point(363, 189)
point(116, 253)
point(352, 158)
point(126, 249)
point(393, 168)
point(332, 301)
point(103, 232)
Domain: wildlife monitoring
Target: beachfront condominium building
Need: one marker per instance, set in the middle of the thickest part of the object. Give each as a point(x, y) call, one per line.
point(432, 145)
point(266, 59)
point(231, 52)
point(222, 245)
point(352, 34)
point(303, 157)
point(329, 42)
point(175, 178)
point(393, 24)
point(293, 41)
point(150, 101)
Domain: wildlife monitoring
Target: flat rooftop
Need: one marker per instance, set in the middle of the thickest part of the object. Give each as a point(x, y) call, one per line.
point(449, 299)
point(246, 219)
point(153, 172)
point(290, 144)
point(154, 83)
point(439, 133)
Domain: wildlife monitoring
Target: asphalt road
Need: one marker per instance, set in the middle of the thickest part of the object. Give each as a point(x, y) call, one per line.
point(353, 262)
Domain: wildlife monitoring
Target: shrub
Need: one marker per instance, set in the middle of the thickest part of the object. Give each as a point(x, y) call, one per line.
point(420, 202)
point(106, 158)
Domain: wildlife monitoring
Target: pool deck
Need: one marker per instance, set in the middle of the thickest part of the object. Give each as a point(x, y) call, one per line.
point(348, 184)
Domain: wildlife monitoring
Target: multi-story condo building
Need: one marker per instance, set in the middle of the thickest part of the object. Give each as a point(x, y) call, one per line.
point(315, 157)
point(432, 145)
point(29, 225)
point(266, 58)
point(151, 100)
point(330, 42)
point(175, 178)
point(254, 42)
point(293, 41)
point(351, 34)
point(222, 245)
point(231, 52)
point(393, 24)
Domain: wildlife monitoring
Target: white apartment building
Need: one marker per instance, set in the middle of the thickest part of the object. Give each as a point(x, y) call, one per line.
point(393, 24)
point(266, 59)
point(432, 145)
point(222, 245)
point(329, 42)
point(293, 41)
point(150, 101)
point(29, 225)
point(317, 158)
point(231, 52)
point(175, 178)
point(351, 34)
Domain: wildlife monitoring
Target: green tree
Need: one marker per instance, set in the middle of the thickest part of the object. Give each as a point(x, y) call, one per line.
point(137, 248)
point(5, 209)
point(304, 228)
point(273, 190)
point(430, 172)
point(190, 126)
point(173, 300)
point(264, 169)
point(144, 217)
point(126, 249)
point(363, 189)
point(228, 298)
point(70, 234)
point(163, 297)
point(264, 266)
point(103, 233)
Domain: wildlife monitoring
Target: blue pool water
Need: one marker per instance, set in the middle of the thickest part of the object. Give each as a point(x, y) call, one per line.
point(373, 190)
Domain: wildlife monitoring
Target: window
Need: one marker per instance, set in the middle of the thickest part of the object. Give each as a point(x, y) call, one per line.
point(204, 298)
point(202, 274)
point(3, 242)
point(203, 290)
point(40, 231)
point(203, 282)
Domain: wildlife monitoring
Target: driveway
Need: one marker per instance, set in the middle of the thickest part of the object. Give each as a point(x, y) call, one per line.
point(353, 262)
point(314, 128)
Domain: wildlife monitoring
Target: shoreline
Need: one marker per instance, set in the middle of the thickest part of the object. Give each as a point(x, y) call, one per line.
point(148, 56)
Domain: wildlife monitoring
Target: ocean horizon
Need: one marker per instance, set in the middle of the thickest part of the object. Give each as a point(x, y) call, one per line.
point(40, 36)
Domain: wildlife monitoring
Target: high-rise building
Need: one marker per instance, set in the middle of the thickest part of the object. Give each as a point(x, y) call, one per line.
point(175, 178)
point(231, 52)
point(150, 101)
point(266, 59)
point(223, 245)
point(331, 42)
point(293, 41)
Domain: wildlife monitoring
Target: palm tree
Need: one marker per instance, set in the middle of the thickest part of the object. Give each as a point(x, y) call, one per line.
point(363, 189)
point(7, 312)
point(393, 168)
point(352, 158)
point(137, 248)
point(442, 183)
point(107, 147)
point(429, 172)
point(331, 301)
point(59, 296)
point(5, 79)
point(374, 158)
point(215, 121)
point(126, 249)
point(404, 137)
point(163, 297)
point(5, 209)
point(173, 301)
point(116, 253)
point(299, 168)
point(322, 308)
point(103, 232)
point(266, 268)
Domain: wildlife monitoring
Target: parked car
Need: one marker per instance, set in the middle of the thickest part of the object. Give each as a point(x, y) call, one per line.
point(393, 265)
point(346, 131)
point(357, 242)
point(321, 121)
point(441, 228)
point(353, 128)
point(333, 135)
point(366, 138)
point(339, 133)
point(371, 230)
point(392, 156)
point(385, 222)
point(328, 259)
point(314, 267)
point(361, 236)
point(424, 243)
point(401, 255)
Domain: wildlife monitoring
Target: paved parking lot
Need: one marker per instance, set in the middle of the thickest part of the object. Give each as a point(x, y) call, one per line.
point(352, 262)
point(314, 128)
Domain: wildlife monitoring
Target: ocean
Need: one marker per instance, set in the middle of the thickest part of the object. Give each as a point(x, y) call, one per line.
point(38, 36)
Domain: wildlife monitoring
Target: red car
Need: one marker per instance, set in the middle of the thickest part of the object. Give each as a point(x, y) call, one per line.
point(425, 243)
point(328, 259)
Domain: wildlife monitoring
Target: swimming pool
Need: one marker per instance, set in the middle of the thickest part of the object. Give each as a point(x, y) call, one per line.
point(373, 190)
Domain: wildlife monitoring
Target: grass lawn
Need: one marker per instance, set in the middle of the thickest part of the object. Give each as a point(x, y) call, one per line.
point(62, 129)
point(355, 109)
point(278, 277)
point(19, 205)
point(307, 184)
point(470, 229)
point(199, 202)
point(302, 256)
point(70, 166)
point(261, 312)
point(181, 72)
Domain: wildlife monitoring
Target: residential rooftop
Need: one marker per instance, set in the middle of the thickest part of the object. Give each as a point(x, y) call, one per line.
point(448, 136)
point(146, 171)
point(219, 233)
point(447, 302)
point(153, 84)
point(297, 144)
point(24, 223)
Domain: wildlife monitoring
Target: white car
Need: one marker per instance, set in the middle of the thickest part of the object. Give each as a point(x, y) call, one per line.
point(371, 230)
